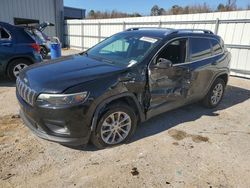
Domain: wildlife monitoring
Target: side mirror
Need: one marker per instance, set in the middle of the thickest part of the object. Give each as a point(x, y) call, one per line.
point(163, 63)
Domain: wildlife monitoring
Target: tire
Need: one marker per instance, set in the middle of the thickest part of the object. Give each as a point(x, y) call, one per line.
point(43, 52)
point(106, 133)
point(16, 66)
point(215, 94)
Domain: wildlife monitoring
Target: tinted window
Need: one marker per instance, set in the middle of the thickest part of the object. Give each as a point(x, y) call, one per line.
point(176, 51)
point(4, 34)
point(200, 48)
point(216, 47)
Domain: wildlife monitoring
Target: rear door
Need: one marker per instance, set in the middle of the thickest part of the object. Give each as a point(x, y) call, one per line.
point(6, 47)
point(201, 65)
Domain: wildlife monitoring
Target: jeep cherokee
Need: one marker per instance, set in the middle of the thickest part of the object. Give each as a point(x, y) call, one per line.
point(102, 94)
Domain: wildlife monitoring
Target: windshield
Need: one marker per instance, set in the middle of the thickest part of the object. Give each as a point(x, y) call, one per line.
point(125, 49)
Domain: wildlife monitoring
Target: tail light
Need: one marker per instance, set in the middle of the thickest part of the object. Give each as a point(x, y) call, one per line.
point(36, 47)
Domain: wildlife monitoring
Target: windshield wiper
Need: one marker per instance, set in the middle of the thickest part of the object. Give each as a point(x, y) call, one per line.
point(84, 53)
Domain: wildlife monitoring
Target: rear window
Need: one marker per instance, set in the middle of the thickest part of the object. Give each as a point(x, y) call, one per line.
point(216, 47)
point(36, 35)
point(4, 34)
point(200, 48)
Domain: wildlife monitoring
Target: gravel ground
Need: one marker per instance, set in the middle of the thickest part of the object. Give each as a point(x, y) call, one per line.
point(188, 147)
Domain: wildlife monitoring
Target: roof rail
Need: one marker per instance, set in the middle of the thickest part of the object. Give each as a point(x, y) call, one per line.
point(194, 30)
point(172, 30)
point(145, 28)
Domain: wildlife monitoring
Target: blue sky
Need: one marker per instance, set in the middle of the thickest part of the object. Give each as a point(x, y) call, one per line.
point(141, 6)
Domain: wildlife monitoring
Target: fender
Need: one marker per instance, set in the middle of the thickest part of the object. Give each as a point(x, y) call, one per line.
point(108, 100)
point(215, 77)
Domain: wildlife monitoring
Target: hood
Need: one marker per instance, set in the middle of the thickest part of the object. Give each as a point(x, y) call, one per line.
point(58, 75)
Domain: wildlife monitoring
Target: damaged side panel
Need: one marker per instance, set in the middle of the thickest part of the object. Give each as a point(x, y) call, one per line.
point(168, 84)
point(168, 88)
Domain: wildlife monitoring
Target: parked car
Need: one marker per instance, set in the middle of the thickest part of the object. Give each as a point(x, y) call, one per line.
point(42, 39)
point(17, 50)
point(104, 93)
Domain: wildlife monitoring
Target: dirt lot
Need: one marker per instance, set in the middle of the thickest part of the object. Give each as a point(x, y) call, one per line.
point(188, 147)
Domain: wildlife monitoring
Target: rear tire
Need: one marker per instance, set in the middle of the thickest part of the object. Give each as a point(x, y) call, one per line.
point(43, 52)
point(215, 94)
point(16, 66)
point(116, 125)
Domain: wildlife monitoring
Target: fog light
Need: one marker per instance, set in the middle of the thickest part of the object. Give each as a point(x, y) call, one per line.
point(58, 129)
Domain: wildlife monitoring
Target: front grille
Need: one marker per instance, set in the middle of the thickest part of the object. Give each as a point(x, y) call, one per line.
point(27, 94)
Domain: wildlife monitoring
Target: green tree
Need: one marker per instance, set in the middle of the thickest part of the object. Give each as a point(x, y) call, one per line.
point(91, 14)
point(157, 11)
point(221, 7)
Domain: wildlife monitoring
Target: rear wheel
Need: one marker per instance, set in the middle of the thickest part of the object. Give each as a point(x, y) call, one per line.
point(16, 66)
point(43, 52)
point(115, 126)
point(215, 94)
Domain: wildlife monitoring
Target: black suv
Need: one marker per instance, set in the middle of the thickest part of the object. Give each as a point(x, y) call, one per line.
point(103, 93)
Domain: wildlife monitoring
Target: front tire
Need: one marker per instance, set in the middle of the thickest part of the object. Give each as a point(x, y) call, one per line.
point(16, 66)
point(215, 94)
point(115, 126)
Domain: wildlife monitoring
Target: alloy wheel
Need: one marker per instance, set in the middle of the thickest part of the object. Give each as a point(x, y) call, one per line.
point(18, 68)
point(115, 128)
point(217, 94)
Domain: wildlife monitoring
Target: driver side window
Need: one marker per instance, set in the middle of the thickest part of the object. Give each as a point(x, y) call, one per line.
point(176, 51)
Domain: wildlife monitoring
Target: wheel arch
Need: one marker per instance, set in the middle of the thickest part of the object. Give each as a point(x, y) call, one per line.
point(224, 77)
point(15, 58)
point(128, 98)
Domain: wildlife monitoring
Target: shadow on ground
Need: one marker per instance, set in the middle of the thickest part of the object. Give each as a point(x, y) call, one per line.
point(233, 96)
point(165, 121)
point(5, 82)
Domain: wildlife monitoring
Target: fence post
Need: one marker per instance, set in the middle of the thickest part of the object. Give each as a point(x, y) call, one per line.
point(160, 23)
point(65, 38)
point(217, 23)
point(99, 31)
point(82, 36)
point(124, 26)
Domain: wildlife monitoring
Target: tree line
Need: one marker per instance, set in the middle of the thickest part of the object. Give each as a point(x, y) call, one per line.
point(192, 9)
point(113, 14)
point(174, 10)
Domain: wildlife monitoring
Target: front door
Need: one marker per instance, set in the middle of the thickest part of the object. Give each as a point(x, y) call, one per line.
point(169, 86)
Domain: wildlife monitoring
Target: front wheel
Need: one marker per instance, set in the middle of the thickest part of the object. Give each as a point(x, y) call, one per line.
point(215, 94)
point(115, 126)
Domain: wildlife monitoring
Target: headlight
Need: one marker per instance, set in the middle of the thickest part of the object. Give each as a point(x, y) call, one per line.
point(61, 100)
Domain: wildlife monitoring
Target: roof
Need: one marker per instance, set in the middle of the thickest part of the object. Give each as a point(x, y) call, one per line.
point(164, 32)
point(17, 33)
point(4, 24)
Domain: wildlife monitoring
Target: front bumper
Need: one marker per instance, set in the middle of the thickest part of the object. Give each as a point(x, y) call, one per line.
point(45, 123)
point(58, 139)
